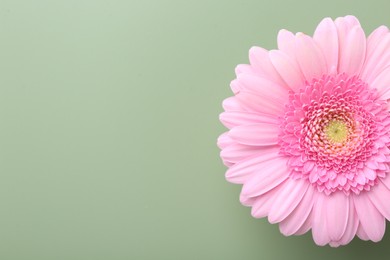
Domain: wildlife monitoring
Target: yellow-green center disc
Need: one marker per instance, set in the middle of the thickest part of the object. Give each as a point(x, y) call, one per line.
point(336, 131)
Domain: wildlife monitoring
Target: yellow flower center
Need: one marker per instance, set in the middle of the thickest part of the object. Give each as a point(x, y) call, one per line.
point(336, 131)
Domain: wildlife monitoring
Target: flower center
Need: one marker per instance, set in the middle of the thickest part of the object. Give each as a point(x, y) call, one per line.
point(336, 131)
point(336, 134)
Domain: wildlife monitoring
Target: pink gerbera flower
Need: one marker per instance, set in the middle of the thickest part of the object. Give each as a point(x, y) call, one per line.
point(309, 132)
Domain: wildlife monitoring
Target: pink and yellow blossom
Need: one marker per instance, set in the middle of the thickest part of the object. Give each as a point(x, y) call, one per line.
point(309, 132)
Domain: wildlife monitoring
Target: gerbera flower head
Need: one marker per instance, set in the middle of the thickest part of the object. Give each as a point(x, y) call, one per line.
point(309, 132)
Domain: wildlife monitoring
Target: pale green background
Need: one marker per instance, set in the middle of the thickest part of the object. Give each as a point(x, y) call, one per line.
point(108, 124)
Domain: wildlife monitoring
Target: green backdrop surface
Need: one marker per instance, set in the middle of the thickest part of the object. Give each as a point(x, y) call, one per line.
point(109, 119)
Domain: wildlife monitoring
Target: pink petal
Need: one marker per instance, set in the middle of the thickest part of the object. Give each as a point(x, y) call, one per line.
point(309, 56)
point(320, 230)
point(288, 199)
point(235, 118)
point(353, 52)
point(336, 207)
point(240, 172)
point(362, 234)
point(231, 104)
point(235, 86)
point(227, 163)
point(268, 176)
point(373, 41)
point(326, 38)
point(263, 203)
point(224, 141)
point(334, 244)
point(352, 224)
point(288, 69)
point(263, 87)
point(386, 181)
point(307, 225)
point(256, 103)
point(296, 219)
point(380, 197)
point(371, 220)
point(247, 201)
point(375, 37)
point(261, 134)
point(238, 152)
point(342, 32)
point(382, 83)
point(262, 64)
point(243, 68)
point(352, 21)
point(286, 42)
point(345, 24)
point(343, 29)
point(378, 60)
